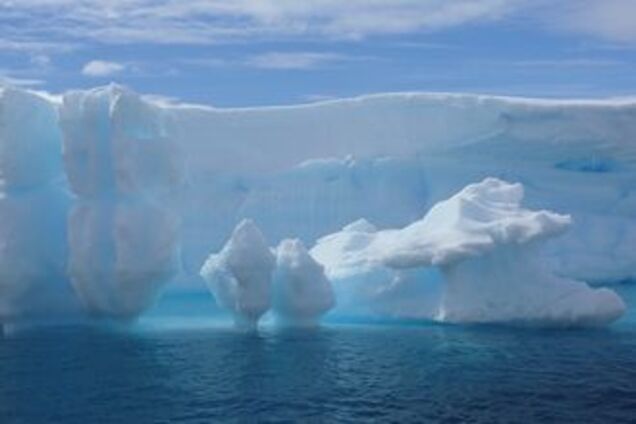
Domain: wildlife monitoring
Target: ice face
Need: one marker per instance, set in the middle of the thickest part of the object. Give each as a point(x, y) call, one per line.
point(301, 291)
point(473, 258)
point(240, 276)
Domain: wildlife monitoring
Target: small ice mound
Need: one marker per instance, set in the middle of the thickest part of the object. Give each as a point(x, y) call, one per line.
point(240, 276)
point(302, 292)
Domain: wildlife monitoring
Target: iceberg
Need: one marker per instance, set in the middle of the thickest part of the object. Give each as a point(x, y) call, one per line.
point(133, 195)
point(474, 258)
point(240, 276)
point(301, 291)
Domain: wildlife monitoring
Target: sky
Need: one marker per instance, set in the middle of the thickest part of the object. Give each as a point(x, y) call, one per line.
point(233, 53)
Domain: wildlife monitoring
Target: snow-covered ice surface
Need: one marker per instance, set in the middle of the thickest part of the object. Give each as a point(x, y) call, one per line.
point(301, 291)
point(240, 276)
point(484, 248)
point(136, 194)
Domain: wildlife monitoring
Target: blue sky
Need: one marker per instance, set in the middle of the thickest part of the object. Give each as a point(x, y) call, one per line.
point(257, 52)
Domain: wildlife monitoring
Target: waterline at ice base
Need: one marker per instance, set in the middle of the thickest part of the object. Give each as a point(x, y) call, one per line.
point(449, 208)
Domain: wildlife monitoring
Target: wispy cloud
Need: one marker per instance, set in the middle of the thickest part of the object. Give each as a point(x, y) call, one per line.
point(102, 68)
point(33, 45)
point(568, 63)
point(276, 60)
point(293, 60)
point(8, 79)
point(205, 21)
point(613, 20)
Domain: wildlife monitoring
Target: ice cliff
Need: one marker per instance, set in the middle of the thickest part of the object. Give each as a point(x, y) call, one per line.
point(106, 197)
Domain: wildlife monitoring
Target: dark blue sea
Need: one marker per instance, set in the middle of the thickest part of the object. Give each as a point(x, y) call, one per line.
point(173, 367)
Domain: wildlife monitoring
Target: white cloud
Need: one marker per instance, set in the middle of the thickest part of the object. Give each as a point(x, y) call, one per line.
point(102, 68)
point(64, 24)
point(33, 45)
point(568, 63)
point(293, 60)
point(40, 61)
point(276, 60)
point(613, 20)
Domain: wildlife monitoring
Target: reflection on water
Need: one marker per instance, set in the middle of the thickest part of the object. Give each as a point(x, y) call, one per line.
point(211, 373)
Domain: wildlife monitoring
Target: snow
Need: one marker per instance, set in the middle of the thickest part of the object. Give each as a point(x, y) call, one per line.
point(301, 291)
point(484, 248)
point(240, 276)
point(133, 194)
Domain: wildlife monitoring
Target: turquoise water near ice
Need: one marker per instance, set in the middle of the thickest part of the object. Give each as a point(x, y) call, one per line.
point(196, 369)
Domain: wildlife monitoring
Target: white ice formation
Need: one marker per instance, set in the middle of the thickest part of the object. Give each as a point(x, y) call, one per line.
point(125, 170)
point(240, 276)
point(301, 291)
point(474, 258)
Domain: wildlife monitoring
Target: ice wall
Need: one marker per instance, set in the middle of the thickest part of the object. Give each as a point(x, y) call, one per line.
point(305, 171)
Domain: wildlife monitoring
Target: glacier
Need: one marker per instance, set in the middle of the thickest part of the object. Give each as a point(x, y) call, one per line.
point(109, 199)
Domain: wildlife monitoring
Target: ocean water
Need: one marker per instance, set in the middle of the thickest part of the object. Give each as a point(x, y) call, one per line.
point(196, 369)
